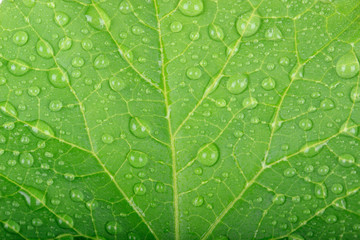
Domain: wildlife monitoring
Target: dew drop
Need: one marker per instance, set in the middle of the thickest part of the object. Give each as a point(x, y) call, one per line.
point(97, 18)
point(198, 201)
point(41, 129)
point(101, 62)
point(193, 73)
point(306, 124)
point(327, 104)
point(55, 105)
point(139, 127)
point(87, 44)
point(44, 49)
point(289, 172)
point(208, 154)
point(65, 43)
point(18, 67)
point(268, 84)
point(124, 7)
point(76, 195)
point(237, 84)
point(337, 188)
point(215, 32)
point(350, 127)
point(160, 187)
point(117, 84)
point(33, 202)
point(346, 160)
point(320, 191)
point(77, 62)
point(311, 149)
point(348, 65)
point(107, 139)
point(137, 159)
point(249, 103)
point(273, 34)
point(194, 36)
point(139, 189)
point(323, 170)
point(295, 237)
point(248, 24)
point(330, 219)
point(279, 199)
point(191, 8)
point(36, 222)
point(8, 109)
point(355, 94)
point(20, 38)
point(58, 78)
point(176, 26)
point(284, 61)
point(112, 227)
point(33, 91)
point(65, 221)
point(26, 159)
point(62, 18)
point(232, 49)
point(11, 226)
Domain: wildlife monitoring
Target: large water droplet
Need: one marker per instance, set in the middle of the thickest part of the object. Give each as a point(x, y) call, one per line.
point(330, 219)
point(11, 226)
point(65, 221)
point(117, 84)
point(139, 189)
point(137, 159)
point(191, 8)
point(249, 103)
point(44, 49)
point(26, 159)
point(18, 67)
point(346, 160)
point(306, 124)
point(8, 109)
point(65, 43)
point(58, 78)
point(337, 188)
point(348, 65)
point(208, 154)
point(312, 149)
point(350, 127)
point(41, 129)
point(273, 33)
point(124, 7)
point(33, 200)
point(20, 38)
point(198, 201)
point(76, 195)
point(355, 94)
point(62, 18)
point(279, 199)
point(320, 191)
point(36, 222)
point(101, 62)
point(176, 26)
point(193, 73)
point(112, 227)
point(97, 18)
point(248, 24)
point(215, 32)
point(55, 105)
point(139, 127)
point(237, 84)
point(268, 84)
point(327, 104)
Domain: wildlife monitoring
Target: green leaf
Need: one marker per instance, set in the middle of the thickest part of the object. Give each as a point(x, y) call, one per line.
point(179, 119)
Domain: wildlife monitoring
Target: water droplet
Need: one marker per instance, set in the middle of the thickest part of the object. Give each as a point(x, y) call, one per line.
point(33, 91)
point(198, 171)
point(139, 189)
point(26, 159)
point(87, 44)
point(117, 84)
point(8, 109)
point(124, 7)
point(193, 73)
point(11, 226)
point(232, 49)
point(355, 94)
point(176, 26)
point(137, 159)
point(215, 32)
point(58, 78)
point(160, 187)
point(279, 199)
point(249, 103)
point(341, 203)
point(220, 102)
point(191, 8)
point(198, 201)
point(248, 24)
point(295, 237)
point(41, 129)
point(62, 18)
point(20, 38)
point(101, 62)
point(77, 62)
point(139, 127)
point(273, 33)
point(65, 221)
point(2, 80)
point(348, 65)
point(18, 67)
point(284, 61)
point(327, 104)
point(337, 188)
point(320, 191)
point(65, 43)
point(330, 219)
point(55, 105)
point(306, 124)
point(208, 154)
point(97, 18)
point(194, 36)
point(346, 160)
point(312, 149)
point(29, 3)
point(293, 219)
point(112, 227)
point(107, 138)
point(33, 200)
point(323, 170)
point(268, 84)
point(289, 172)
point(36, 222)
point(237, 83)
point(76, 195)
point(44, 49)
point(350, 127)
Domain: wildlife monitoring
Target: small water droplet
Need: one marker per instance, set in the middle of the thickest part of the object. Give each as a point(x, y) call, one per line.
point(58, 78)
point(279, 199)
point(237, 84)
point(101, 62)
point(327, 104)
point(355, 94)
point(320, 191)
point(87, 44)
point(44, 49)
point(117, 84)
point(124, 7)
point(289, 172)
point(62, 18)
point(137, 159)
point(55, 105)
point(18, 67)
point(215, 32)
point(330, 219)
point(65, 221)
point(160, 187)
point(249, 103)
point(273, 33)
point(112, 227)
point(20, 38)
point(306, 124)
point(65, 43)
point(36, 222)
point(26, 159)
point(191, 8)
point(268, 84)
point(337, 188)
point(346, 160)
point(139, 127)
point(193, 73)
point(208, 154)
point(348, 65)
point(323, 170)
point(98, 18)
point(76, 195)
point(198, 201)
point(176, 26)
point(248, 24)
point(139, 189)
point(107, 138)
